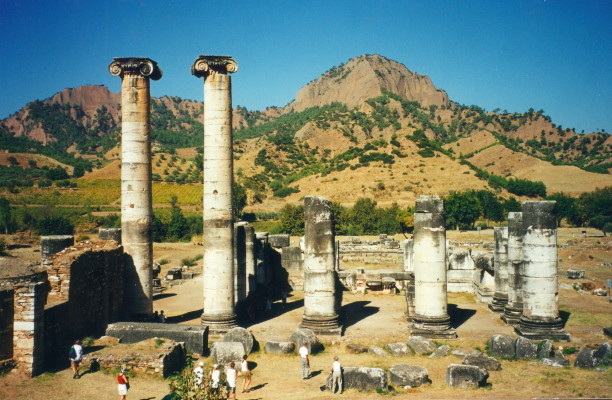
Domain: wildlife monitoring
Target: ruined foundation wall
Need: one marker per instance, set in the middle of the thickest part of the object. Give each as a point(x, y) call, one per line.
point(6, 323)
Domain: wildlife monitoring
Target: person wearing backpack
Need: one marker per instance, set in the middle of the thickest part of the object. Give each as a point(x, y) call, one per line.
point(76, 356)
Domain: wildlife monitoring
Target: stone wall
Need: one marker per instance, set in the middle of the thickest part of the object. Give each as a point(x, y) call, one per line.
point(28, 327)
point(370, 253)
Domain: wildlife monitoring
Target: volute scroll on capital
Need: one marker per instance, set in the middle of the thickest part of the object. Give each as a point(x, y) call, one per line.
point(135, 65)
point(205, 65)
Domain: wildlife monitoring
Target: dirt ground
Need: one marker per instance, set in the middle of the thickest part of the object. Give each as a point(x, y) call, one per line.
point(377, 319)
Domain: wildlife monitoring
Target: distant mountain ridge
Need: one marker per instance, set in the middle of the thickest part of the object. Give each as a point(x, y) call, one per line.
point(371, 126)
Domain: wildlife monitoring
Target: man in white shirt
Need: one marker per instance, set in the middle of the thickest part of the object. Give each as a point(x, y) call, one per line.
point(336, 371)
point(305, 361)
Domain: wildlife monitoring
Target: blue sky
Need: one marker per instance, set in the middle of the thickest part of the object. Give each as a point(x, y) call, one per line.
point(552, 55)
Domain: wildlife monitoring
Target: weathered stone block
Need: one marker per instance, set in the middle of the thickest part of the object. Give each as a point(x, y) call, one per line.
point(195, 337)
point(557, 360)
point(465, 376)
point(225, 352)
point(546, 348)
point(575, 273)
point(526, 349)
point(279, 347)
point(603, 354)
point(362, 378)
point(305, 335)
point(408, 375)
point(441, 351)
point(502, 346)
point(378, 351)
point(279, 241)
point(356, 348)
point(51, 245)
point(110, 234)
point(241, 335)
point(482, 361)
point(585, 359)
point(421, 345)
point(398, 349)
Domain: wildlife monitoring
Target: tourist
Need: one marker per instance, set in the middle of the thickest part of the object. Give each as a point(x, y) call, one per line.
point(305, 361)
point(336, 371)
point(232, 377)
point(123, 384)
point(284, 298)
point(155, 316)
point(76, 356)
point(268, 305)
point(162, 317)
point(198, 375)
point(215, 376)
point(246, 374)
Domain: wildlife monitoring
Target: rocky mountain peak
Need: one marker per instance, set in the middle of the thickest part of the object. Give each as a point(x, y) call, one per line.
point(364, 77)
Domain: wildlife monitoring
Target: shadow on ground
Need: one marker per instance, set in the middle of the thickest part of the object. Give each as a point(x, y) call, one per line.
point(459, 316)
point(356, 311)
point(188, 316)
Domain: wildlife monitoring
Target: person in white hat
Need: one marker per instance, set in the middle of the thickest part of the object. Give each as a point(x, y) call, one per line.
point(215, 375)
point(198, 374)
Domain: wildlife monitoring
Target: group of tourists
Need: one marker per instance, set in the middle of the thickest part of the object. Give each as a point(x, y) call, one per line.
point(231, 375)
point(159, 317)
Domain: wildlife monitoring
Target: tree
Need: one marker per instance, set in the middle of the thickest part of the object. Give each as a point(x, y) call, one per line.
point(239, 200)
point(292, 220)
point(363, 217)
point(5, 215)
point(55, 226)
point(462, 209)
point(158, 230)
point(492, 208)
point(511, 204)
point(177, 228)
point(566, 206)
point(340, 219)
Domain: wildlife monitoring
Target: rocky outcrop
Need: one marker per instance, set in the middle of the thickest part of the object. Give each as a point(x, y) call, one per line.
point(364, 77)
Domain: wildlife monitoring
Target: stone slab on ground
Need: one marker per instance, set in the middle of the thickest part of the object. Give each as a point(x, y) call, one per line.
point(441, 351)
point(305, 335)
point(546, 349)
point(482, 361)
point(378, 351)
point(241, 335)
point(421, 345)
point(408, 375)
point(195, 337)
point(398, 349)
point(362, 378)
point(465, 376)
point(502, 346)
point(526, 349)
point(279, 347)
point(557, 360)
point(223, 353)
point(356, 348)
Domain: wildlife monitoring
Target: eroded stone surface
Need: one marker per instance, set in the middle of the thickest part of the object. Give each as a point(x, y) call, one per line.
point(279, 347)
point(225, 352)
point(408, 375)
point(502, 346)
point(241, 335)
point(465, 376)
point(362, 378)
point(482, 361)
point(421, 345)
point(441, 351)
point(526, 349)
point(305, 335)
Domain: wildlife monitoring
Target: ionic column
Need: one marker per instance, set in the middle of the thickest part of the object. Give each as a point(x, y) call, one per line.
point(540, 318)
point(500, 264)
point(431, 318)
point(240, 262)
point(408, 246)
point(514, 308)
point(321, 307)
point(136, 203)
point(218, 235)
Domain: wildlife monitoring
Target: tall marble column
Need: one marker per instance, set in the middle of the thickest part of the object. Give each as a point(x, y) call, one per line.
point(136, 198)
point(408, 246)
point(250, 258)
point(218, 235)
point(240, 284)
point(514, 308)
point(500, 264)
point(431, 317)
point(321, 306)
point(540, 318)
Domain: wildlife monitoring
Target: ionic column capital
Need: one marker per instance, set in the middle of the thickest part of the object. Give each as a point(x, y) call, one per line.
point(135, 66)
point(206, 65)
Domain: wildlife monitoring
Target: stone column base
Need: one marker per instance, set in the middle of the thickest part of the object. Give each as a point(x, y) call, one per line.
point(432, 327)
point(219, 324)
point(542, 329)
point(498, 303)
point(322, 325)
point(512, 315)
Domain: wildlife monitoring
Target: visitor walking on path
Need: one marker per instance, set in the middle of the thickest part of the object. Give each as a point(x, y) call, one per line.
point(336, 371)
point(123, 384)
point(305, 361)
point(246, 374)
point(232, 377)
point(215, 376)
point(76, 356)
